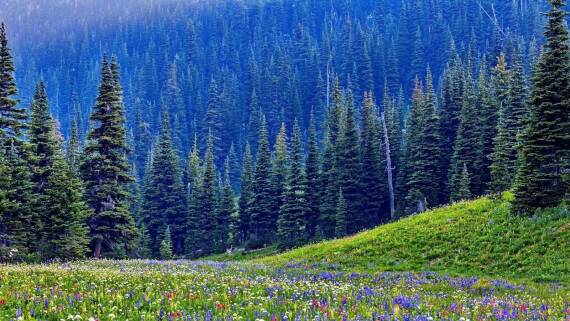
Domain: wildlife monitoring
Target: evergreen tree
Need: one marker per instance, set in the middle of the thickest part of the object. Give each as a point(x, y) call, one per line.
point(262, 220)
point(341, 220)
point(292, 222)
point(225, 215)
point(208, 200)
point(213, 121)
point(468, 146)
point(196, 218)
point(312, 173)
point(328, 184)
point(73, 151)
point(280, 168)
point(464, 185)
point(104, 167)
point(542, 179)
point(12, 118)
point(373, 165)
point(163, 199)
point(166, 252)
point(425, 175)
point(349, 167)
point(246, 196)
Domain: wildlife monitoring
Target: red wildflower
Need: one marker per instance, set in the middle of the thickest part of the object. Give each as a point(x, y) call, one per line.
point(175, 315)
point(220, 306)
point(2, 302)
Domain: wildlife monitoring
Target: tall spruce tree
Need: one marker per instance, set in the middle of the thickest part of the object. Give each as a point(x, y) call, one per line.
point(425, 175)
point(163, 197)
point(262, 223)
point(104, 167)
point(349, 167)
point(312, 173)
point(194, 238)
point(246, 196)
point(226, 213)
point(373, 165)
point(12, 118)
point(292, 222)
point(208, 200)
point(543, 176)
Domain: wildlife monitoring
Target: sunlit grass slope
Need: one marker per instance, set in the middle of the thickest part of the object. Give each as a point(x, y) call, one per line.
point(477, 237)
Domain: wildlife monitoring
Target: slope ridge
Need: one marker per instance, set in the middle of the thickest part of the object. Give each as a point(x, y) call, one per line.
point(476, 237)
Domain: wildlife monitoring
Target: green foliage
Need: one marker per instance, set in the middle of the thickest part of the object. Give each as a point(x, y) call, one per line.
point(292, 222)
point(543, 179)
point(166, 245)
point(163, 197)
point(104, 168)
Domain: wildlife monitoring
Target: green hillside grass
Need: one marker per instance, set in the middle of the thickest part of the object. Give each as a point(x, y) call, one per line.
point(477, 237)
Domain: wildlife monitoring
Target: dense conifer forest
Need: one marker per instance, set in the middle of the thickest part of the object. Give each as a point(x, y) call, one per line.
point(180, 129)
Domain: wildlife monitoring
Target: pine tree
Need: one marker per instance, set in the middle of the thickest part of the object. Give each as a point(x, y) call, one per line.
point(279, 168)
point(349, 167)
point(468, 146)
point(312, 172)
point(195, 222)
point(373, 165)
point(225, 215)
point(488, 109)
point(423, 158)
point(246, 196)
point(18, 222)
point(341, 219)
point(73, 151)
point(64, 232)
point(12, 118)
point(464, 185)
point(292, 220)
point(61, 213)
point(213, 121)
point(166, 252)
point(328, 184)
point(163, 199)
point(542, 179)
point(104, 167)
point(262, 220)
point(208, 200)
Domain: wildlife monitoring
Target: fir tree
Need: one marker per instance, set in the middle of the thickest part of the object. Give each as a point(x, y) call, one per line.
point(73, 151)
point(163, 199)
point(349, 167)
point(468, 145)
point(312, 172)
point(328, 184)
point(464, 185)
point(262, 220)
point(208, 200)
point(542, 179)
point(104, 168)
point(246, 196)
point(280, 168)
point(341, 219)
point(166, 245)
point(373, 165)
point(12, 118)
point(196, 218)
point(292, 220)
point(225, 215)
point(423, 161)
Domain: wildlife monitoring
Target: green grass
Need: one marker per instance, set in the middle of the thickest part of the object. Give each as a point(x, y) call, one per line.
point(478, 237)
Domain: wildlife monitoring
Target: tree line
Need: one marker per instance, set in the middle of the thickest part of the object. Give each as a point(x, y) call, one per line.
point(366, 163)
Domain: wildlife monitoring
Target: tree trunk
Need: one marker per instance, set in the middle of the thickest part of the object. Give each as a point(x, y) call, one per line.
point(389, 167)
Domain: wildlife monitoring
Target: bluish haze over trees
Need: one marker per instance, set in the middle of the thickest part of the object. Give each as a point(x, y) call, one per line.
point(184, 128)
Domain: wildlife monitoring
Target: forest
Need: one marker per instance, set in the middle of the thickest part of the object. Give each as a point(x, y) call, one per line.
point(181, 129)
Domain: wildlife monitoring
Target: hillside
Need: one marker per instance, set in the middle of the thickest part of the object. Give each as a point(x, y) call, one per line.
point(477, 237)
